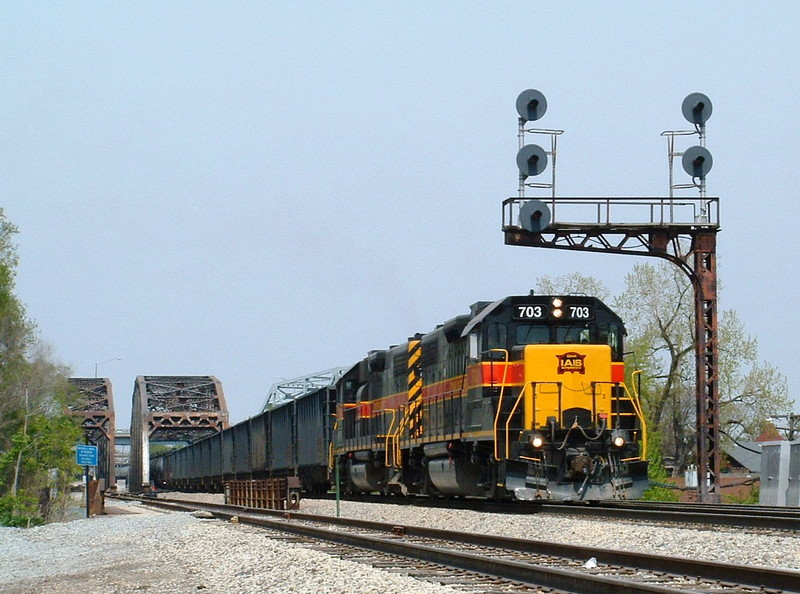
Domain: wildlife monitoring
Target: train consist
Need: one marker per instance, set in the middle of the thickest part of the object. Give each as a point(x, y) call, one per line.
point(522, 398)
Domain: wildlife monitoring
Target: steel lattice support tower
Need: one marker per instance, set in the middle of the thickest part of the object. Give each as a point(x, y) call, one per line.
point(172, 409)
point(682, 231)
point(95, 406)
point(704, 277)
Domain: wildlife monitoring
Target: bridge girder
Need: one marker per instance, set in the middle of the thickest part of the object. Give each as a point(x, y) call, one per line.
point(170, 409)
point(95, 408)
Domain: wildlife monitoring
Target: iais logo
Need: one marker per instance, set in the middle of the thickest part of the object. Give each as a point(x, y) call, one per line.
point(571, 362)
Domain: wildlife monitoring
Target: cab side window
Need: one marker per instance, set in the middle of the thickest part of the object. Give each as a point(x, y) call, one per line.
point(497, 336)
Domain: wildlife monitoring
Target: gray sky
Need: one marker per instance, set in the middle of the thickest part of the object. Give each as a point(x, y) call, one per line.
point(257, 191)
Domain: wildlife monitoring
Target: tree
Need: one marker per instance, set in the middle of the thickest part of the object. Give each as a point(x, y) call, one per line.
point(658, 309)
point(572, 284)
point(36, 436)
point(750, 391)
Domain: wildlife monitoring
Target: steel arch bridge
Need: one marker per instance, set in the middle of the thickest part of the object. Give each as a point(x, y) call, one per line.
point(171, 409)
point(95, 407)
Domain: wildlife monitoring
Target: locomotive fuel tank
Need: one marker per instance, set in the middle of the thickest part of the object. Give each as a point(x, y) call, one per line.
point(452, 472)
point(367, 476)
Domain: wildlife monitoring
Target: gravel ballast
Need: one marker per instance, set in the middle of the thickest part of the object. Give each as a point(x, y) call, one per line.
point(176, 552)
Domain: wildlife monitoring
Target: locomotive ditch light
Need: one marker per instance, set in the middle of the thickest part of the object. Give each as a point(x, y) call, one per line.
point(618, 439)
point(537, 440)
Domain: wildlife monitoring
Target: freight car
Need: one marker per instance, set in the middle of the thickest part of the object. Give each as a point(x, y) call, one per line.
point(522, 398)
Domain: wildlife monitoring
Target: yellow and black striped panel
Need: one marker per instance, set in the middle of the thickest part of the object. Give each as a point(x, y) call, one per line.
point(414, 389)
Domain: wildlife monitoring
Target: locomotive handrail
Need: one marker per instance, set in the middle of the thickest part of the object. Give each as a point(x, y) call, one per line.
point(500, 401)
point(387, 437)
point(330, 445)
point(637, 404)
point(633, 396)
point(397, 453)
point(511, 416)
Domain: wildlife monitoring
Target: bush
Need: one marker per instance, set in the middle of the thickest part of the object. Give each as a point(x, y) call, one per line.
point(660, 489)
point(21, 511)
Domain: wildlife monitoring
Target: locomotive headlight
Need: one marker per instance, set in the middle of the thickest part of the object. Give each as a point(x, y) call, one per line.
point(557, 313)
point(618, 439)
point(537, 440)
point(557, 302)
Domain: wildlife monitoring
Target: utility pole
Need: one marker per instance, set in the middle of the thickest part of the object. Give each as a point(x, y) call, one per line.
point(793, 422)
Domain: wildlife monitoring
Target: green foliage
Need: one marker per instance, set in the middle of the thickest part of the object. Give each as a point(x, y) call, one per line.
point(657, 473)
point(21, 511)
point(572, 284)
point(658, 310)
point(36, 434)
point(750, 499)
point(37, 463)
point(157, 449)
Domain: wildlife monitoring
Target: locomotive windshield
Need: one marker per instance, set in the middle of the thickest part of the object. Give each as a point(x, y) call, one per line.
point(592, 333)
point(533, 334)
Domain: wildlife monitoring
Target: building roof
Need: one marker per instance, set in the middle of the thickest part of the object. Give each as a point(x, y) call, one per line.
point(746, 454)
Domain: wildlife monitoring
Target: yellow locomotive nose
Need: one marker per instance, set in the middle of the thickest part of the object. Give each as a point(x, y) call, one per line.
point(568, 382)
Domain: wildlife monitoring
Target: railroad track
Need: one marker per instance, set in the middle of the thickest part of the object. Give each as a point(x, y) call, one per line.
point(742, 516)
point(708, 515)
point(504, 564)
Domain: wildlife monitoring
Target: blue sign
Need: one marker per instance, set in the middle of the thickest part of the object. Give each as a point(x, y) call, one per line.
point(86, 455)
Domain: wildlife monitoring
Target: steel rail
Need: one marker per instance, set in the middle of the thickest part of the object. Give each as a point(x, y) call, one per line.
point(754, 576)
point(685, 513)
point(706, 508)
point(703, 514)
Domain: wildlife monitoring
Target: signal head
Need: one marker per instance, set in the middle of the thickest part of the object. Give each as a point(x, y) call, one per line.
point(534, 216)
point(531, 105)
point(531, 160)
point(697, 161)
point(696, 108)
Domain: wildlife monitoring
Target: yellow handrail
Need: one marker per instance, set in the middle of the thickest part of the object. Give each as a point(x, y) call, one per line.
point(500, 402)
point(637, 404)
point(395, 437)
point(330, 445)
point(389, 436)
point(637, 410)
point(511, 415)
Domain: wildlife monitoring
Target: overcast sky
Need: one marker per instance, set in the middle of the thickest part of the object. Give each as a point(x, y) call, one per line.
point(261, 190)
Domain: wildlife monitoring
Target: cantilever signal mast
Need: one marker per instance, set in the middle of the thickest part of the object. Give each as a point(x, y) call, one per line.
point(681, 230)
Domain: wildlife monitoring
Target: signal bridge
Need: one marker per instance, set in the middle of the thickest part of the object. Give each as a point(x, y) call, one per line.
point(681, 230)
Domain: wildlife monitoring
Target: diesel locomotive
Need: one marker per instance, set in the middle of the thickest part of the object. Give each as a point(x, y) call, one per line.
point(524, 398)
